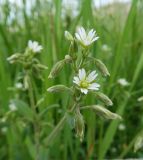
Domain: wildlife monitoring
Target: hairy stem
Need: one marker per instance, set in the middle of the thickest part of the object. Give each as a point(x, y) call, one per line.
point(35, 121)
point(58, 128)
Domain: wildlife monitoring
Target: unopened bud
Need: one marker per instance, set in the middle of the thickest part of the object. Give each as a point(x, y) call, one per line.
point(41, 66)
point(104, 98)
point(103, 112)
point(26, 82)
point(68, 36)
point(56, 69)
point(68, 58)
point(79, 125)
point(100, 65)
point(138, 143)
point(58, 88)
point(14, 58)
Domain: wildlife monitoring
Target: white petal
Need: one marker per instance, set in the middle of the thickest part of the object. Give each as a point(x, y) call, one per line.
point(94, 86)
point(39, 48)
point(86, 42)
point(83, 90)
point(82, 33)
point(92, 76)
point(76, 80)
point(35, 43)
point(77, 36)
point(82, 74)
point(95, 39)
point(91, 34)
point(29, 43)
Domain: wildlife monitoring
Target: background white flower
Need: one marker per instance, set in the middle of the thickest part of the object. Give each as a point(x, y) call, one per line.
point(34, 46)
point(70, 8)
point(86, 39)
point(85, 82)
point(12, 107)
point(4, 129)
point(123, 82)
point(19, 85)
point(140, 99)
point(121, 127)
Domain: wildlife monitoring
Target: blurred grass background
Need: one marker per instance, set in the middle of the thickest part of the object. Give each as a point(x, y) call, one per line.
point(120, 47)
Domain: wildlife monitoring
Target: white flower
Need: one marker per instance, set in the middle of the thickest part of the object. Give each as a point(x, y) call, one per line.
point(3, 120)
point(86, 39)
point(19, 85)
point(122, 127)
point(86, 82)
point(12, 107)
point(70, 8)
point(34, 46)
point(4, 129)
point(105, 48)
point(140, 99)
point(123, 82)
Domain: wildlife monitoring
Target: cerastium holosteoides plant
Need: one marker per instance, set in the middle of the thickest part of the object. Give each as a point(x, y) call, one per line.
point(31, 66)
point(83, 82)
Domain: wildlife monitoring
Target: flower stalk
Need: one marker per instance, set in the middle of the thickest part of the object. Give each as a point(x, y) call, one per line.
point(31, 65)
point(36, 124)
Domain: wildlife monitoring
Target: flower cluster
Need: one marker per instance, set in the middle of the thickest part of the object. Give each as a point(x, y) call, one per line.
point(84, 81)
point(30, 66)
point(123, 82)
point(29, 62)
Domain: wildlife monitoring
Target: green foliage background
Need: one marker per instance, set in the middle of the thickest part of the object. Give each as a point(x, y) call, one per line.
point(118, 27)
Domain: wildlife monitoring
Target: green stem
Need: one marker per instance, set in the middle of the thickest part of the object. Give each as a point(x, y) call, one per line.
point(35, 121)
point(58, 128)
point(81, 63)
point(60, 125)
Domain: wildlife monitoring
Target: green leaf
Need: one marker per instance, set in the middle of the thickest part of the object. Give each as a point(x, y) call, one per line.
point(23, 109)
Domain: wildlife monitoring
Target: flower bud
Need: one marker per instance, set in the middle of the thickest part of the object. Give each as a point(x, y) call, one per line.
point(104, 98)
point(100, 65)
point(79, 125)
point(56, 69)
point(68, 58)
point(68, 36)
point(26, 82)
point(103, 112)
point(14, 58)
point(58, 88)
point(41, 66)
point(138, 143)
